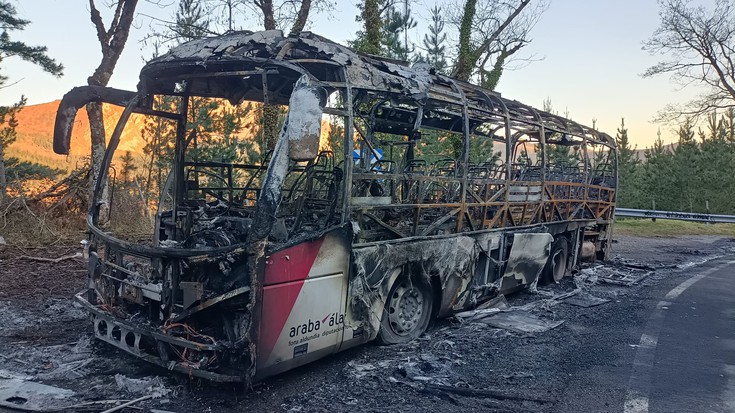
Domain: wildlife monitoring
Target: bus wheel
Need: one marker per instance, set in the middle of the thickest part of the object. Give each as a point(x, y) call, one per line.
point(407, 311)
point(556, 266)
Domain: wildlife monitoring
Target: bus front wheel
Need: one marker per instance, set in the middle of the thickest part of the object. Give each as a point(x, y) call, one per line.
point(407, 311)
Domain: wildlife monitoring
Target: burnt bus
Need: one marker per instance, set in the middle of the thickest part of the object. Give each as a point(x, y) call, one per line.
point(257, 267)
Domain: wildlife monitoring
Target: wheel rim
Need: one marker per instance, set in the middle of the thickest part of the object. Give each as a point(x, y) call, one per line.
point(559, 265)
point(406, 309)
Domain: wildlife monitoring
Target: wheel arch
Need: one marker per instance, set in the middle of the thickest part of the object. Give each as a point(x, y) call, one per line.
point(379, 304)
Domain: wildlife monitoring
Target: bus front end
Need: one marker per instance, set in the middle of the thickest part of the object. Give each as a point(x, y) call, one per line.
point(189, 299)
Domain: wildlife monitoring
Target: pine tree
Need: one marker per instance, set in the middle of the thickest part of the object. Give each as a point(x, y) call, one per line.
point(658, 177)
point(192, 21)
point(627, 168)
point(335, 139)
point(714, 160)
point(434, 42)
point(128, 167)
point(215, 123)
point(8, 134)
point(481, 151)
point(559, 156)
point(25, 170)
point(523, 158)
point(159, 135)
point(10, 22)
point(686, 170)
point(218, 126)
point(396, 25)
point(435, 145)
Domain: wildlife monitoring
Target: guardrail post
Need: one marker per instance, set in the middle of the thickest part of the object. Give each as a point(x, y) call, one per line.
point(653, 207)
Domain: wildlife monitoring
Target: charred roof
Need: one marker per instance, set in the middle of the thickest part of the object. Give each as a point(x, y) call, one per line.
point(263, 66)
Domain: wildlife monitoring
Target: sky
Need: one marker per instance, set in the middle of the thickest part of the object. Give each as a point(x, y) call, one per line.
point(587, 58)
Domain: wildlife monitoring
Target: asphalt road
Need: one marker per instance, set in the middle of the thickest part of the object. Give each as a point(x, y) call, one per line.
point(681, 357)
point(686, 357)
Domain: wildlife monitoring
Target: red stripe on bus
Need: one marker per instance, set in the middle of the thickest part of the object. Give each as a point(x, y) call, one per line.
point(285, 274)
point(291, 264)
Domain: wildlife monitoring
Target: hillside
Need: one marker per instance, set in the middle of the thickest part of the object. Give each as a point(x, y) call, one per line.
point(35, 135)
point(640, 154)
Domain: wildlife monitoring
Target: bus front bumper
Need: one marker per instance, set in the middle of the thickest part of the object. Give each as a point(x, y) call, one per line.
point(152, 345)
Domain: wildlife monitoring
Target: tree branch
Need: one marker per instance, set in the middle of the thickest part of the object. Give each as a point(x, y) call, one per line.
point(122, 26)
point(269, 22)
point(700, 45)
point(301, 17)
point(115, 18)
point(99, 25)
point(494, 36)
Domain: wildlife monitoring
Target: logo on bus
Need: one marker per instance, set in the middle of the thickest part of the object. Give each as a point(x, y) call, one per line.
point(311, 326)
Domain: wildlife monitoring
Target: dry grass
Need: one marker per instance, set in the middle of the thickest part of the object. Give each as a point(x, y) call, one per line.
point(42, 213)
point(669, 228)
point(36, 226)
point(127, 218)
point(31, 226)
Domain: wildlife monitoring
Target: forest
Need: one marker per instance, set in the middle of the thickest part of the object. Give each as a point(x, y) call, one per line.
point(470, 40)
point(695, 174)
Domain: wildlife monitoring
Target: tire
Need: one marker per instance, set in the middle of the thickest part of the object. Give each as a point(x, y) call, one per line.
point(556, 266)
point(407, 311)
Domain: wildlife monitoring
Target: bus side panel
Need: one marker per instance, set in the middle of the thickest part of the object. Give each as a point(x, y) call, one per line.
point(303, 303)
point(447, 262)
point(527, 259)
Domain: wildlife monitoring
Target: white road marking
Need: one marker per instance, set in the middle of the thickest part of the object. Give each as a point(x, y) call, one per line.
point(639, 384)
point(636, 402)
point(729, 393)
point(648, 341)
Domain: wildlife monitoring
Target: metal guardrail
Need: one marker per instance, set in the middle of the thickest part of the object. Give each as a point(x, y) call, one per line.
point(681, 216)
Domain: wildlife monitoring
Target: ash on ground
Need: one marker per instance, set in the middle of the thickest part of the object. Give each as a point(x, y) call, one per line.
point(519, 353)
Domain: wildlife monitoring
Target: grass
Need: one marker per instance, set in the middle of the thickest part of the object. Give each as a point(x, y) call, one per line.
point(668, 228)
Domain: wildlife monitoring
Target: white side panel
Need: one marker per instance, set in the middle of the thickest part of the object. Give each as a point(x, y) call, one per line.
point(316, 321)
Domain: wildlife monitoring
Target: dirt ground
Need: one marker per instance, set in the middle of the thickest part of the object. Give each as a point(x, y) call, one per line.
point(462, 363)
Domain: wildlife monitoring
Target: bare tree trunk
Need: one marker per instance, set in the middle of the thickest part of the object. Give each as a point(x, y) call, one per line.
point(3, 179)
point(112, 41)
point(269, 20)
point(270, 112)
point(270, 125)
point(302, 17)
point(97, 132)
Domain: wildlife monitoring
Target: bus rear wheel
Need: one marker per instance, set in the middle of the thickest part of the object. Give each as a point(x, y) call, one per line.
point(556, 266)
point(407, 311)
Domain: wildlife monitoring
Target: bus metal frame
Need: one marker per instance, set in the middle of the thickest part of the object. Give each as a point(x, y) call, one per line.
point(309, 258)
